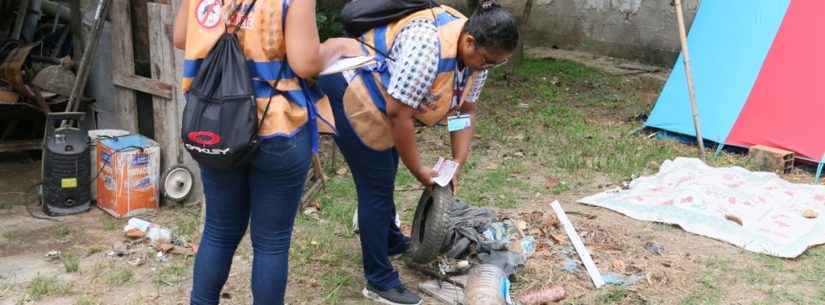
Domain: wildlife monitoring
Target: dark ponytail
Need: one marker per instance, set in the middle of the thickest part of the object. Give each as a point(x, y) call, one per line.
point(493, 27)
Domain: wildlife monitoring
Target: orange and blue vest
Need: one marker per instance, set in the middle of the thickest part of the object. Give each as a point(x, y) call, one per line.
point(365, 99)
point(448, 95)
point(261, 37)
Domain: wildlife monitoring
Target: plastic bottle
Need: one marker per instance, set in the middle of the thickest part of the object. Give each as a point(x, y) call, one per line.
point(487, 285)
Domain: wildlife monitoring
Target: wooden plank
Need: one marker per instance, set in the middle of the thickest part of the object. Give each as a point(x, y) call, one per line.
point(123, 63)
point(587, 260)
point(20, 145)
point(162, 63)
point(144, 84)
point(166, 64)
point(8, 97)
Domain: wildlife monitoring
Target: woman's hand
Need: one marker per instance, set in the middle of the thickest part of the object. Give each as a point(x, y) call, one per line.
point(425, 175)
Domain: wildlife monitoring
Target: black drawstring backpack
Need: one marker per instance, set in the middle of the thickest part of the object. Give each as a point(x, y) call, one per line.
point(360, 16)
point(220, 123)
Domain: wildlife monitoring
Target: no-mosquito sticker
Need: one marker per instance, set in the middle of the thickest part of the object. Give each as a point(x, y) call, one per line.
point(208, 13)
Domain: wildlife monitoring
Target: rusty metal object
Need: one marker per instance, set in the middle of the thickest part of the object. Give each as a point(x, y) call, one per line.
point(11, 71)
point(12, 68)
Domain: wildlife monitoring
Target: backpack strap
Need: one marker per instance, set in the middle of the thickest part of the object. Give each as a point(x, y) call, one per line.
point(386, 54)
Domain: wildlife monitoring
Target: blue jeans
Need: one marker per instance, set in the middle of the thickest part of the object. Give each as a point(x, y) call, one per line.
point(374, 175)
point(265, 192)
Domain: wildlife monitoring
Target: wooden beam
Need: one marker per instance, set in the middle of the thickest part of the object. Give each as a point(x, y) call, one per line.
point(143, 84)
point(123, 63)
point(20, 145)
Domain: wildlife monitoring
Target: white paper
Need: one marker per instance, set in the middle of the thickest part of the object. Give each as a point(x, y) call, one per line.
point(346, 64)
point(446, 170)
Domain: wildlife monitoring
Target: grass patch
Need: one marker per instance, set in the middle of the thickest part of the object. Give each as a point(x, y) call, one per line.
point(86, 300)
point(813, 268)
point(71, 262)
point(548, 119)
point(42, 286)
point(707, 294)
point(64, 231)
point(338, 201)
point(620, 295)
point(109, 223)
point(498, 187)
point(118, 277)
point(171, 275)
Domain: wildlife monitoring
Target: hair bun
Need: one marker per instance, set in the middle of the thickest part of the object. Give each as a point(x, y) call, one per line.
point(488, 4)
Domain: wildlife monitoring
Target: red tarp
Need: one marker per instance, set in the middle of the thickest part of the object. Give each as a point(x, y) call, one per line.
point(786, 108)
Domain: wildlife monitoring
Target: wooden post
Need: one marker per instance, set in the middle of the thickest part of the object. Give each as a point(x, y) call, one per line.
point(166, 64)
point(123, 63)
point(75, 24)
point(694, 108)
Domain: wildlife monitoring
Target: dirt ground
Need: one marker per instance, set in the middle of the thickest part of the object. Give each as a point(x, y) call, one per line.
point(516, 169)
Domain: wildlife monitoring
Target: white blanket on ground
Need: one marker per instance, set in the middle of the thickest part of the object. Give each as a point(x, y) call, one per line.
point(698, 198)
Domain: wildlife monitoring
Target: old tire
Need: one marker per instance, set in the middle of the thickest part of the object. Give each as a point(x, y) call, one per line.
point(430, 225)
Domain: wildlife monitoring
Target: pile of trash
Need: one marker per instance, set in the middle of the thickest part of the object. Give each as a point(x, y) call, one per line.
point(482, 254)
point(160, 238)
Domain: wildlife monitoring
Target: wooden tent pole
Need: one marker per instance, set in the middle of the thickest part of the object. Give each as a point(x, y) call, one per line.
point(694, 108)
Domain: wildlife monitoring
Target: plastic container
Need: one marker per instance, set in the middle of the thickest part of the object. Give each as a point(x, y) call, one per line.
point(156, 234)
point(487, 285)
point(94, 136)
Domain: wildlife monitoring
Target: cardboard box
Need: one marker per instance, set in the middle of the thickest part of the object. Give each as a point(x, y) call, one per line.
point(129, 176)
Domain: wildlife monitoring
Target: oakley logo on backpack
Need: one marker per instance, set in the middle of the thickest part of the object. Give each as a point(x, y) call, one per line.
point(206, 138)
point(208, 151)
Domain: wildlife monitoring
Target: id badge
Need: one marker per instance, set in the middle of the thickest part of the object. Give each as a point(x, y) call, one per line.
point(458, 122)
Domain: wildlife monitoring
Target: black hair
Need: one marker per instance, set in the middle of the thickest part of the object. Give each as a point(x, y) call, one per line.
point(493, 27)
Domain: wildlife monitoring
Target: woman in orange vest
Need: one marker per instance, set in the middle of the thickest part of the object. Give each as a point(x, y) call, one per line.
point(280, 40)
point(431, 67)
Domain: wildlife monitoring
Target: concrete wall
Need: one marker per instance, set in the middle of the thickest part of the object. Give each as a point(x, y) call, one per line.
point(642, 30)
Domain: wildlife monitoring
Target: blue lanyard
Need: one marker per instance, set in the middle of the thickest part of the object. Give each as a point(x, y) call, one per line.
point(459, 84)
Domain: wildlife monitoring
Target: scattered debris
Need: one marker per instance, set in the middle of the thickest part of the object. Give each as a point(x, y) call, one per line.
point(162, 257)
point(810, 213)
point(611, 278)
point(570, 265)
point(164, 247)
point(115, 253)
point(135, 233)
point(552, 182)
point(618, 265)
point(444, 292)
point(153, 232)
point(543, 295)
point(654, 248)
point(54, 254)
point(136, 261)
point(734, 218)
point(342, 171)
point(487, 284)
